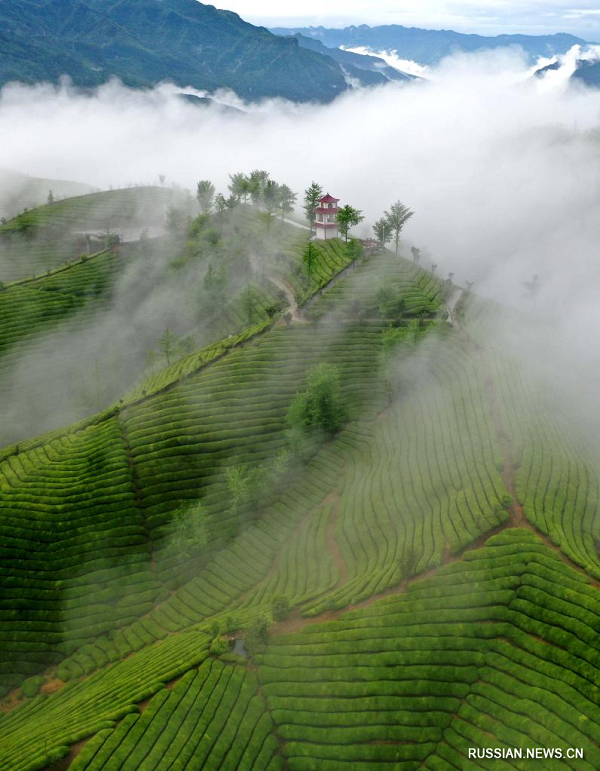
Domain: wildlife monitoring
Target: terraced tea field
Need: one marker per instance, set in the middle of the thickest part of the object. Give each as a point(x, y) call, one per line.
point(421, 582)
point(110, 210)
point(49, 236)
point(29, 307)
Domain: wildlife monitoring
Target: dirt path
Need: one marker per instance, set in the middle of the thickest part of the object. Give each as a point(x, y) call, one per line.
point(451, 303)
point(296, 224)
point(282, 285)
point(516, 516)
point(289, 296)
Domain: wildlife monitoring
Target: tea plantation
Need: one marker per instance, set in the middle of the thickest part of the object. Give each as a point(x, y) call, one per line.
point(419, 581)
point(49, 236)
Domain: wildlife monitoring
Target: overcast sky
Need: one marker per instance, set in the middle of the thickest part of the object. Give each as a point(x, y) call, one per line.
point(582, 17)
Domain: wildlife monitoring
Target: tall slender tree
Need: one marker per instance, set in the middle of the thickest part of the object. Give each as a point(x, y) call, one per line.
point(270, 195)
point(238, 185)
point(396, 218)
point(287, 199)
point(311, 198)
point(205, 193)
point(383, 231)
point(257, 179)
point(310, 257)
point(347, 218)
point(220, 203)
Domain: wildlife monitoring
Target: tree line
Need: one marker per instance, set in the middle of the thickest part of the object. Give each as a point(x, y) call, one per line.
point(259, 189)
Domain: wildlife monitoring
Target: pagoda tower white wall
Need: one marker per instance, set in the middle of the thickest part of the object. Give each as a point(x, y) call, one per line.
point(325, 223)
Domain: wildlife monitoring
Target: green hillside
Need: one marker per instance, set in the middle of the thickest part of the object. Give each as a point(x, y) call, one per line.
point(20, 191)
point(190, 579)
point(50, 236)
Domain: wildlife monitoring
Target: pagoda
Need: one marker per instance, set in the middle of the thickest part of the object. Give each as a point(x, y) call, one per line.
point(326, 224)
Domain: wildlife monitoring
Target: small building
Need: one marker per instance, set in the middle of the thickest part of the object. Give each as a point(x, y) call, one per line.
point(326, 224)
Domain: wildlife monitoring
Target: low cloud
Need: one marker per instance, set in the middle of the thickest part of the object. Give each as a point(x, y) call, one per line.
point(501, 169)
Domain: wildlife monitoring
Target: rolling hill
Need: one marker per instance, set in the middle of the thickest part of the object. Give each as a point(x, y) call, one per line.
point(420, 582)
point(19, 191)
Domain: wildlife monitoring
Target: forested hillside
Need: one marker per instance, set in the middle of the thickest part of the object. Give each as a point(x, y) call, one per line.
point(145, 42)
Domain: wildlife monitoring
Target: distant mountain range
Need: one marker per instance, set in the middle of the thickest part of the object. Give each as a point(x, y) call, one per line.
point(144, 42)
point(190, 44)
point(429, 46)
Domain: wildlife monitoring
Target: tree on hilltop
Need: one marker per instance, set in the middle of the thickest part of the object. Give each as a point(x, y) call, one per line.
point(311, 199)
point(396, 218)
point(383, 231)
point(257, 181)
point(239, 186)
point(347, 218)
point(287, 199)
point(220, 203)
point(270, 195)
point(205, 194)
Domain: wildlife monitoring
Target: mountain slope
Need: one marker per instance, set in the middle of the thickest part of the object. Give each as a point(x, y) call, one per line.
point(380, 71)
point(589, 73)
point(428, 46)
point(145, 42)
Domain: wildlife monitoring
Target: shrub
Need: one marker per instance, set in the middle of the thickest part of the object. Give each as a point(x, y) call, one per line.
point(354, 249)
point(232, 622)
point(258, 635)
point(189, 530)
point(321, 406)
point(280, 607)
point(31, 686)
point(219, 646)
point(407, 564)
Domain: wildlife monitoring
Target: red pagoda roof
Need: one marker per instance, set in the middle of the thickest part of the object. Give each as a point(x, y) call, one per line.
point(328, 199)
